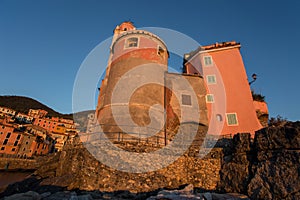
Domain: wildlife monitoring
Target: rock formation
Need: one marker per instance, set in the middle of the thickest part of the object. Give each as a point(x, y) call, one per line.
point(267, 169)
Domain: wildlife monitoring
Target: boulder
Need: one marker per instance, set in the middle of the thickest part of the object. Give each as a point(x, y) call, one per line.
point(235, 171)
point(276, 177)
point(282, 137)
point(30, 195)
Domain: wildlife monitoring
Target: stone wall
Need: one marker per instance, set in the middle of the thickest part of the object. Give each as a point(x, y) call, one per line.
point(76, 168)
point(17, 164)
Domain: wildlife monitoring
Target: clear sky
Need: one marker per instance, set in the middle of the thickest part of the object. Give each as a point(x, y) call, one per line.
point(43, 43)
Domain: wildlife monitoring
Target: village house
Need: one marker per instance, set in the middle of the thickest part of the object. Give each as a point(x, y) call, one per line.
point(7, 111)
point(19, 137)
point(222, 63)
point(37, 113)
point(23, 118)
point(9, 139)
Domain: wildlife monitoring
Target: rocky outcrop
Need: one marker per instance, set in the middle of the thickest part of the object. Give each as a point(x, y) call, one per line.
point(267, 169)
point(276, 170)
point(235, 169)
point(76, 168)
point(189, 192)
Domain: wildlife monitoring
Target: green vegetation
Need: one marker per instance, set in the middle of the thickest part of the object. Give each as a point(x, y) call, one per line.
point(257, 97)
point(277, 121)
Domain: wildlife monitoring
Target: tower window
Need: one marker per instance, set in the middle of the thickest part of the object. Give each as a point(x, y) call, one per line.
point(160, 51)
point(207, 60)
point(209, 98)
point(131, 42)
point(231, 119)
point(211, 79)
point(186, 99)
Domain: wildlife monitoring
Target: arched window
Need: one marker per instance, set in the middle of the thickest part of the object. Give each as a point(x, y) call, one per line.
point(219, 117)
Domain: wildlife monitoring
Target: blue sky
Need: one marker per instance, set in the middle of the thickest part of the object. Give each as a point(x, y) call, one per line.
point(43, 43)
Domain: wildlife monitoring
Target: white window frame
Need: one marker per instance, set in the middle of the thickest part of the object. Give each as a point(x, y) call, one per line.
point(237, 122)
point(215, 78)
point(211, 61)
point(207, 98)
point(126, 40)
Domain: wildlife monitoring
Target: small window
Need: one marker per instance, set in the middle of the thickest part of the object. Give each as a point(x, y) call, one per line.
point(186, 99)
point(160, 51)
point(211, 79)
point(131, 42)
point(2, 148)
point(5, 141)
point(219, 117)
point(16, 143)
point(8, 134)
point(231, 119)
point(209, 98)
point(207, 60)
point(13, 149)
point(18, 137)
point(27, 142)
point(24, 149)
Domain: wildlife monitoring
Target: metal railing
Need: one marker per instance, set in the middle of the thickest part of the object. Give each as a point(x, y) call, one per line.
point(161, 138)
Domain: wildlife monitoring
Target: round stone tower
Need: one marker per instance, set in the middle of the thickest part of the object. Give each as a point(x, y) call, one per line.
point(126, 100)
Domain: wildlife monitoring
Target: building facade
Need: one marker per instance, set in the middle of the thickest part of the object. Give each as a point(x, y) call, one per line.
point(138, 56)
point(223, 63)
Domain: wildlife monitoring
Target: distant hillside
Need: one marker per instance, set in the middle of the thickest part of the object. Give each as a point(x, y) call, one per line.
point(23, 104)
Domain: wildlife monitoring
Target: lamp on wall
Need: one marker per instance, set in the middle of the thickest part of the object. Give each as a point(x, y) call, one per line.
point(254, 77)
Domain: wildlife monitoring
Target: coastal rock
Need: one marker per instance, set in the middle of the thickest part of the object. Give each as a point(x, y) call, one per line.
point(235, 171)
point(282, 137)
point(188, 193)
point(30, 195)
point(277, 179)
point(276, 173)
